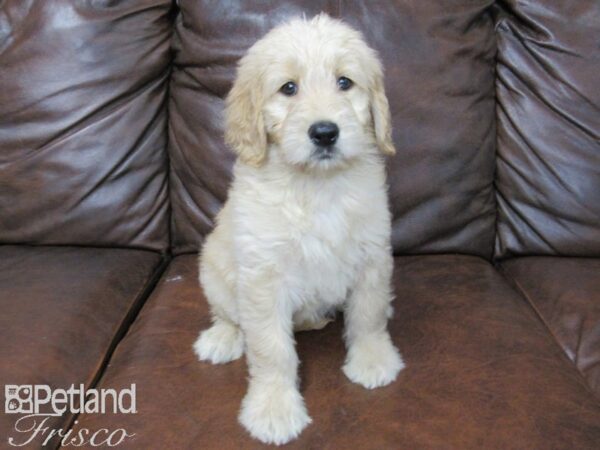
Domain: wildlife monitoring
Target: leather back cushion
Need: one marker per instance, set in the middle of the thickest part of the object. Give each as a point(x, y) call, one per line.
point(83, 122)
point(439, 61)
point(548, 91)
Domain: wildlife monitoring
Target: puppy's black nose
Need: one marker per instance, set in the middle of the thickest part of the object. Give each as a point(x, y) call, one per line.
point(323, 133)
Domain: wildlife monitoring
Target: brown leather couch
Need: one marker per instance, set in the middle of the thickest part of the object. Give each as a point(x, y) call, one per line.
point(112, 167)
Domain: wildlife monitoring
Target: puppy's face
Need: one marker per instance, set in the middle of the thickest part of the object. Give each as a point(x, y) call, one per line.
point(317, 107)
point(312, 91)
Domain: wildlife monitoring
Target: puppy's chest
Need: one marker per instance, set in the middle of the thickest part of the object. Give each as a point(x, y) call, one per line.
point(325, 246)
point(324, 232)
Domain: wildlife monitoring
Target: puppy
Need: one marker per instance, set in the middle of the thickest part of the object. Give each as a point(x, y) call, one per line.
point(306, 229)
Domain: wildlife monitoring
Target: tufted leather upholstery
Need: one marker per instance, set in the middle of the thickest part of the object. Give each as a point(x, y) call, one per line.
point(548, 129)
point(83, 122)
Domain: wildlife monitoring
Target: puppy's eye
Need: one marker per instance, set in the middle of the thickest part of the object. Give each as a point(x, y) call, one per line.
point(290, 88)
point(344, 83)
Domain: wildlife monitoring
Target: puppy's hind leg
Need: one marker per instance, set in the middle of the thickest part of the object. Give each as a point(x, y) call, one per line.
point(223, 341)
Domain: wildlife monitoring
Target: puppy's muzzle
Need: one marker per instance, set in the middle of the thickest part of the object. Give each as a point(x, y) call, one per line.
point(324, 135)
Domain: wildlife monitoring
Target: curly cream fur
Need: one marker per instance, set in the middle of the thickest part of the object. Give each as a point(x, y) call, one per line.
point(301, 236)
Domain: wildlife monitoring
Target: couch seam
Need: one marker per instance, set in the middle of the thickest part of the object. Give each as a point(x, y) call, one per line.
point(523, 293)
point(142, 295)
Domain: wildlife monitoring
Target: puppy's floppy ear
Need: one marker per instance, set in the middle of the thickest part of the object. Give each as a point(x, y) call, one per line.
point(380, 111)
point(245, 130)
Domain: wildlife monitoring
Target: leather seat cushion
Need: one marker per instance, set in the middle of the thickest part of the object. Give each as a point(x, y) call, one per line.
point(482, 372)
point(62, 310)
point(565, 292)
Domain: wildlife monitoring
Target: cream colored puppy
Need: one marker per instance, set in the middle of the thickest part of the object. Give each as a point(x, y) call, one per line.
point(306, 228)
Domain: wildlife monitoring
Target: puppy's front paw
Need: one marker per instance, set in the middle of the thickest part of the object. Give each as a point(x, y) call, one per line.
point(373, 361)
point(273, 414)
point(221, 343)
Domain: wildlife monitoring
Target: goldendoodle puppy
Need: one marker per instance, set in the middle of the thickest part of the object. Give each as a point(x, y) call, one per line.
point(306, 228)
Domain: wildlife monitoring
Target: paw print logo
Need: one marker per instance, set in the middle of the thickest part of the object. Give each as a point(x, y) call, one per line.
point(18, 399)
